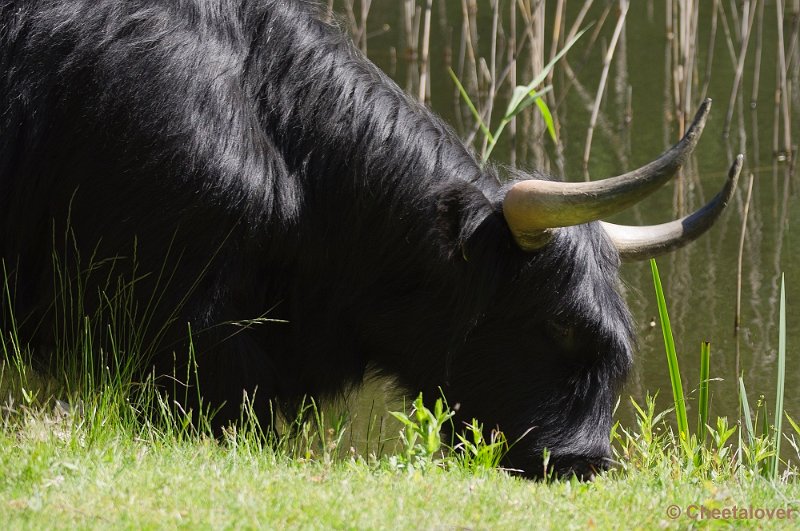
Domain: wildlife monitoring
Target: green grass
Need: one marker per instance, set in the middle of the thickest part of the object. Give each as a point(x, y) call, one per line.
point(84, 467)
point(51, 477)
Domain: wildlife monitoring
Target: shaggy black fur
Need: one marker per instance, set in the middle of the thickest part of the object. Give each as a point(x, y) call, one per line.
point(250, 161)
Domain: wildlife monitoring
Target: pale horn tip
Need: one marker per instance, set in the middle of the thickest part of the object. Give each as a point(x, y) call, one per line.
point(638, 243)
point(699, 122)
point(736, 167)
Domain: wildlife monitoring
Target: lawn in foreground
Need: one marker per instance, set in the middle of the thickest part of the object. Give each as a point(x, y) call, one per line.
point(53, 476)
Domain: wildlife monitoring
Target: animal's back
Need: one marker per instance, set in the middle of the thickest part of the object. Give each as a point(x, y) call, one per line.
point(132, 158)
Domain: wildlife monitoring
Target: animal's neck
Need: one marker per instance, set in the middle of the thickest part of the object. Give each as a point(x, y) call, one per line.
point(376, 170)
point(345, 128)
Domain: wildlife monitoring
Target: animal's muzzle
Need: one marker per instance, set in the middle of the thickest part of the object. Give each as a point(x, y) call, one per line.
point(585, 468)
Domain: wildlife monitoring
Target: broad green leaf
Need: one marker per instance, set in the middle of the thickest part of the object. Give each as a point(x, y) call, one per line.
point(527, 101)
point(548, 118)
point(519, 92)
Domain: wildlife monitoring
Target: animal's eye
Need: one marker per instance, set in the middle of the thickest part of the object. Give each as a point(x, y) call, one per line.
point(563, 334)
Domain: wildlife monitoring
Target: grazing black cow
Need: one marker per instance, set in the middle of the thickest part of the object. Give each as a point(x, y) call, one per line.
point(234, 159)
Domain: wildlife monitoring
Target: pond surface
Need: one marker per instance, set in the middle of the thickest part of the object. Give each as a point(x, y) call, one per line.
point(646, 101)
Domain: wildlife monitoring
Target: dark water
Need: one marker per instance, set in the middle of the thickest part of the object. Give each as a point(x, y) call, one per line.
point(638, 119)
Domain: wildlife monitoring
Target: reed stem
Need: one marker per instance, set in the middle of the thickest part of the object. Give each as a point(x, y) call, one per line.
point(624, 5)
point(426, 39)
point(737, 317)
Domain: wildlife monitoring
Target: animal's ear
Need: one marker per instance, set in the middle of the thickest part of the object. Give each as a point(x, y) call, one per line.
point(461, 208)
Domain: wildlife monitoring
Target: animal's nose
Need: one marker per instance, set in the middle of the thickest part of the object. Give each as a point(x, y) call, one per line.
point(584, 469)
point(585, 466)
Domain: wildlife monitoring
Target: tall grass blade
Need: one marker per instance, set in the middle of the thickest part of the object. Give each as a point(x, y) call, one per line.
point(795, 426)
point(748, 419)
point(471, 105)
point(672, 357)
point(779, 392)
point(702, 405)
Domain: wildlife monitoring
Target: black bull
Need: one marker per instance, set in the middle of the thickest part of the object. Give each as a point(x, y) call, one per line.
point(236, 160)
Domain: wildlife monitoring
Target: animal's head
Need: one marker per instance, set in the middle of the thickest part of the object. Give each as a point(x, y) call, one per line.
point(545, 359)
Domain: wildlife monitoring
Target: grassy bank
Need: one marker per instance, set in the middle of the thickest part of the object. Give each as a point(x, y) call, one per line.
point(88, 466)
point(54, 475)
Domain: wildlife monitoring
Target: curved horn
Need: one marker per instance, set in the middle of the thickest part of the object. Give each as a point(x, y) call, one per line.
point(533, 206)
point(640, 243)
